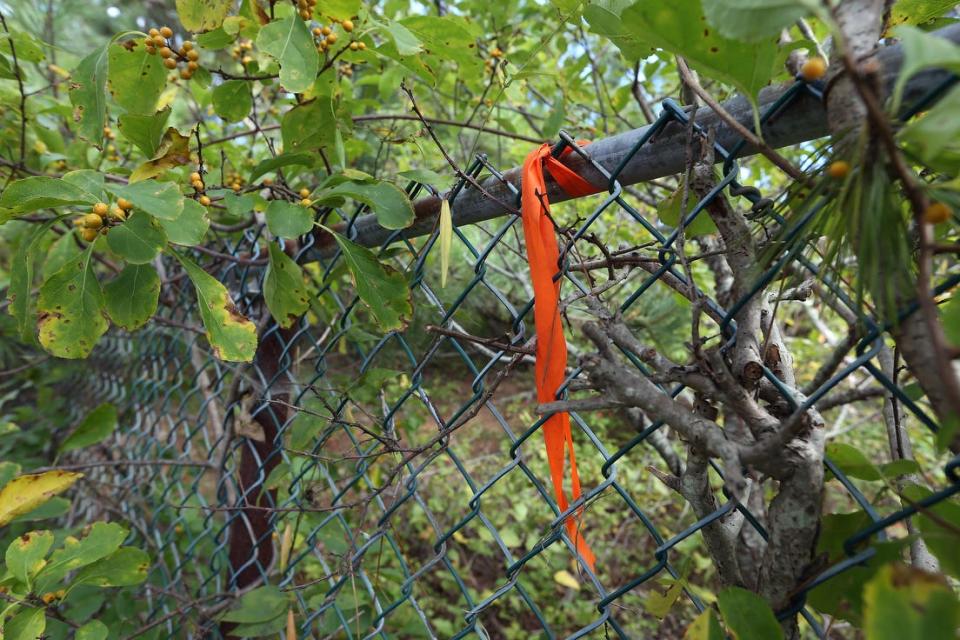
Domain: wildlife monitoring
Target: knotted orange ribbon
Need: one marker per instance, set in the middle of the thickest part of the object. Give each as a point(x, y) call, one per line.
point(551, 354)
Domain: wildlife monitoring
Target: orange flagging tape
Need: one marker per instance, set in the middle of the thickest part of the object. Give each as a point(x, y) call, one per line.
point(551, 355)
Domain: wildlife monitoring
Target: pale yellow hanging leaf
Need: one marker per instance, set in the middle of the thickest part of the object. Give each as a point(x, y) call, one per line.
point(285, 544)
point(446, 237)
point(566, 579)
point(26, 493)
point(291, 625)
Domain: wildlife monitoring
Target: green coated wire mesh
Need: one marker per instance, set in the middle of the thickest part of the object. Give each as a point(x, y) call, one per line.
point(407, 466)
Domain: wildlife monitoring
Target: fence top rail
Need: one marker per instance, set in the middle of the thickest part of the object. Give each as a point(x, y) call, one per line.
point(802, 120)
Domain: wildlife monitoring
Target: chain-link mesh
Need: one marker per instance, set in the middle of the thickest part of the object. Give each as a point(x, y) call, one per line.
point(408, 466)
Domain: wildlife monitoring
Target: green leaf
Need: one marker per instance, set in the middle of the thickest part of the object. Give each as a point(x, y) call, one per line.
point(341, 9)
point(387, 201)
point(904, 603)
point(406, 42)
point(28, 624)
point(29, 48)
point(135, 78)
point(101, 540)
point(93, 630)
point(216, 39)
point(921, 51)
point(160, 199)
point(232, 336)
point(309, 126)
point(173, 151)
point(99, 424)
point(276, 162)
point(26, 553)
point(52, 508)
point(283, 288)
point(138, 240)
point(381, 288)
point(670, 212)
point(190, 226)
point(88, 95)
point(286, 220)
point(89, 180)
point(203, 15)
point(124, 567)
point(753, 19)
point(144, 131)
point(131, 298)
point(70, 307)
point(290, 42)
point(8, 471)
point(704, 627)
point(41, 192)
point(232, 100)
point(21, 282)
point(935, 135)
point(950, 319)
point(917, 12)
point(260, 629)
point(748, 615)
point(63, 250)
point(938, 525)
point(260, 605)
point(25, 493)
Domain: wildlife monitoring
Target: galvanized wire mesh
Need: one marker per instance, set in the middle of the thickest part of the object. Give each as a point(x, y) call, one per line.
point(390, 456)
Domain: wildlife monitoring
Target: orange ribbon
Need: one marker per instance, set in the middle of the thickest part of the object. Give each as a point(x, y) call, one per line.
point(551, 355)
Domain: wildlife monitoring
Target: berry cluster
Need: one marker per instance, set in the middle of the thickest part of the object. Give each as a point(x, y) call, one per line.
point(158, 42)
point(305, 197)
point(326, 37)
point(305, 8)
point(53, 596)
point(242, 51)
point(102, 217)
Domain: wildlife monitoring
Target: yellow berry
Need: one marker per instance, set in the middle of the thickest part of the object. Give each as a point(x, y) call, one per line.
point(151, 50)
point(304, 193)
point(165, 52)
point(362, 45)
point(192, 66)
point(354, 46)
point(192, 55)
point(813, 69)
point(936, 213)
point(78, 222)
point(246, 60)
point(187, 45)
point(166, 32)
point(170, 63)
point(331, 38)
point(236, 186)
point(305, 14)
point(347, 25)
point(306, 202)
point(154, 32)
point(838, 169)
point(48, 598)
point(186, 74)
point(92, 221)
point(325, 31)
point(159, 41)
point(124, 204)
point(496, 52)
point(205, 201)
point(118, 213)
point(100, 208)
point(89, 234)
point(317, 31)
point(267, 181)
point(195, 176)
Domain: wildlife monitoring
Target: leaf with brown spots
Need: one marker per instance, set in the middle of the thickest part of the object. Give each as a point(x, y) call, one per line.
point(88, 95)
point(232, 336)
point(26, 493)
point(70, 306)
point(174, 151)
point(135, 78)
point(203, 15)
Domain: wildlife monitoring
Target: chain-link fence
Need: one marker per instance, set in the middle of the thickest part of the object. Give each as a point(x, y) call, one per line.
point(408, 465)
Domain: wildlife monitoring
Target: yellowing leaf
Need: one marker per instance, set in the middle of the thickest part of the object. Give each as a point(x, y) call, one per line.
point(566, 579)
point(232, 336)
point(174, 151)
point(285, 546)
point(446, 236)
point(26, 493)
